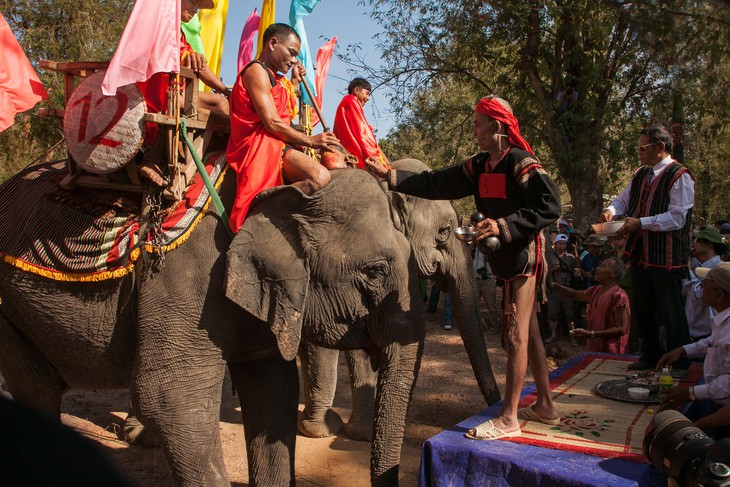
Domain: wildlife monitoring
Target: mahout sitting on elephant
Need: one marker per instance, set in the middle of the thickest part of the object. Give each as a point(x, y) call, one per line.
point(301, 267)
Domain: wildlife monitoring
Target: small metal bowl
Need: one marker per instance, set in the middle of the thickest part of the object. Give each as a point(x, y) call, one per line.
point(639, 393)
point(465, 234)
point(607, 229)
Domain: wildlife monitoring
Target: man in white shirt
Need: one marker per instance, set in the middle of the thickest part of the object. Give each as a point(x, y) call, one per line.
point(707, 246)
point(658, 205)
point(715, 348)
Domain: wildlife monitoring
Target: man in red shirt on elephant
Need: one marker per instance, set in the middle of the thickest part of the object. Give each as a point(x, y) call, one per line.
point(354, 132)
point(262, 147)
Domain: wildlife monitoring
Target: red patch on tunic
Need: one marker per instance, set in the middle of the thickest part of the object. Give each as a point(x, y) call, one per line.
point(493, 186)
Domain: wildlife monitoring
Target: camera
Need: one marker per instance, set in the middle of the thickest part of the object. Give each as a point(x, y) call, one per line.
point(685, 453)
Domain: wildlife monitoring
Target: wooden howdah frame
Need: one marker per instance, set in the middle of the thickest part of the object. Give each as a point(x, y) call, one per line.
point(201, 124)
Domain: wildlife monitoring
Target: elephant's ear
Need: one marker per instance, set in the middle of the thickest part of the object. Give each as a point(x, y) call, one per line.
point(398, 210)
point(266, 272)
point(399, 203)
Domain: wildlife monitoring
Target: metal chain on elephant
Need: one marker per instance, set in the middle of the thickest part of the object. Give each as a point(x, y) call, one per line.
point(154, 221)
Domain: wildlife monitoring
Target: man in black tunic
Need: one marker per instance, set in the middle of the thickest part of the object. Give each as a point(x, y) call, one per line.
point(519, 199)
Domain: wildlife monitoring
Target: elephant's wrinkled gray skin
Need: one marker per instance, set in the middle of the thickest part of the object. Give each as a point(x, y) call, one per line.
point(300, 266)
point(429, 227)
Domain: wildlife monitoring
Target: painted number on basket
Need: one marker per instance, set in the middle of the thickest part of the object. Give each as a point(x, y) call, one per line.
point(100, 139)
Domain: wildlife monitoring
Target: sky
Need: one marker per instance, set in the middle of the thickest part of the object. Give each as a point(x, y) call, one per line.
point(345, 19)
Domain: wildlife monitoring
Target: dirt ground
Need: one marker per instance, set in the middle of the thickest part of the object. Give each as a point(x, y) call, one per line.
point(446, 393)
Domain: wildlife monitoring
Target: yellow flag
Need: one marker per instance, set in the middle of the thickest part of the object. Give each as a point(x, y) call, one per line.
point(213, 30)
point(268, 10)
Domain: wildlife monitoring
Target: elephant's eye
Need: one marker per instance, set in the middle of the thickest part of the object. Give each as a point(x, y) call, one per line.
point(444, 233)
point(376, 270)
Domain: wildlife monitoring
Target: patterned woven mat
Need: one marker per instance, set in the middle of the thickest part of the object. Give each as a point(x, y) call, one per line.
point(591, 423)
point(87, 234)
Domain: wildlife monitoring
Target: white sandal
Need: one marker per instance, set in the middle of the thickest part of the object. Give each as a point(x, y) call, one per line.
point(488, 432)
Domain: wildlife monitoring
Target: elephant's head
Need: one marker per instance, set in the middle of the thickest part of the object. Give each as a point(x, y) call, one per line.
point(331, 268)
point(429, 227)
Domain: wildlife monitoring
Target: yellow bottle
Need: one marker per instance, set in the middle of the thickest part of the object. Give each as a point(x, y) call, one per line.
point(666, 381)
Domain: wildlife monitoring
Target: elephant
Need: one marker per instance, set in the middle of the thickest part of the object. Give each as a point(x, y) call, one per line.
point(428, 225)
point(300, 268)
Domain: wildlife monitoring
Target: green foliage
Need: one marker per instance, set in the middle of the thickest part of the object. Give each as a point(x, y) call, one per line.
point(58, 30)
point(632, 63)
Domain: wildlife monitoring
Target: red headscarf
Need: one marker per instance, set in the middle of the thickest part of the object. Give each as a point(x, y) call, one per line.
point(494, 109)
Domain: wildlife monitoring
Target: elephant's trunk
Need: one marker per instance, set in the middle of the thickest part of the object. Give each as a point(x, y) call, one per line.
point(465, 300)
point(396, 379)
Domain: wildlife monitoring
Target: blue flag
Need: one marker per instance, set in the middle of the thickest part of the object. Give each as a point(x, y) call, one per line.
point(300, 9)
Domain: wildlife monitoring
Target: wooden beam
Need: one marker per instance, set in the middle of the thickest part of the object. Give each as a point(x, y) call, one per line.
point(192, 123)
point(96, 182)
point(69, 181)
point(188, 73)
point(73, 67)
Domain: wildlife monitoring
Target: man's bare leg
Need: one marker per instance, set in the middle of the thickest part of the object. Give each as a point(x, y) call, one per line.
point(211, 101)
point(149, 167)
point(544, 406)
point(523, 295)
point(305, 173)
point(526, 338)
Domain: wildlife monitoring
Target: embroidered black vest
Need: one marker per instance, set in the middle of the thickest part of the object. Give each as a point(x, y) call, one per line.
point(666, 250)
point(498, 193)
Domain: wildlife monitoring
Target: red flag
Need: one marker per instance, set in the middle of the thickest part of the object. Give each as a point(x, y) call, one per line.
point(20, 88)
point(324, 57)
point(150, 44)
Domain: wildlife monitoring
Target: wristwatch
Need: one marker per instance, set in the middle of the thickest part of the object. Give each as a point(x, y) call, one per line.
point(593, 334)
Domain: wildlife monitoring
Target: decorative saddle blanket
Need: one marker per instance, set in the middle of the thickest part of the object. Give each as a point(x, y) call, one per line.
point(88, 234)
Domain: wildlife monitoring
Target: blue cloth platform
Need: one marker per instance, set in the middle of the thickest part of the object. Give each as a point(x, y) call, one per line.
point(450, 459)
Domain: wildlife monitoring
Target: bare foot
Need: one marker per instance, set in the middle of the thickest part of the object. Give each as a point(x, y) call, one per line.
point(152, 173)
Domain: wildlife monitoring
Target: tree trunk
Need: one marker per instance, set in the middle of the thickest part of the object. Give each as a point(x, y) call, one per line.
point(586, 197)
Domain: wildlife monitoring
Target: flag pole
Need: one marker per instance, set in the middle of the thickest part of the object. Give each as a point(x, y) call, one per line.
point(314, 104)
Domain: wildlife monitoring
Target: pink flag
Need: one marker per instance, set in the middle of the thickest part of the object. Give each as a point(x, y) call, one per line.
point(20, 88)
point(245, 47)
point(324, 57)
point(150, 44)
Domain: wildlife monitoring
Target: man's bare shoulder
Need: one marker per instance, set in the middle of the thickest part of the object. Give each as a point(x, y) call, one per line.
point(256, 76)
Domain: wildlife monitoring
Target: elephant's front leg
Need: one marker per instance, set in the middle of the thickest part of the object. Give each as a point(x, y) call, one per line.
point(319, 378)
point(269, 393)
point(363, 381)
point(181, 403)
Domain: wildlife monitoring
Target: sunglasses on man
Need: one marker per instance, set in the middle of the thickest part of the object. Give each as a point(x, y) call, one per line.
point(642, 148)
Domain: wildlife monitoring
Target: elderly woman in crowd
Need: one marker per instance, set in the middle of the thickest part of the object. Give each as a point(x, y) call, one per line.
point(608, 313)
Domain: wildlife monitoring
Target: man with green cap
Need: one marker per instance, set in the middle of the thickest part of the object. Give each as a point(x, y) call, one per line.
point(706, 248)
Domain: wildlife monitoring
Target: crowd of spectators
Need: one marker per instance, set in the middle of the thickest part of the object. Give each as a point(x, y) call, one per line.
point(659, 287)
point(574, 262)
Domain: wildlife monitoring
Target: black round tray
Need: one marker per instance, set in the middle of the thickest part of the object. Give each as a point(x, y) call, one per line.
point(619, 390)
